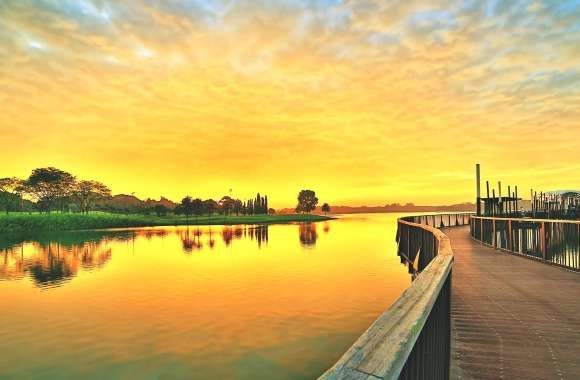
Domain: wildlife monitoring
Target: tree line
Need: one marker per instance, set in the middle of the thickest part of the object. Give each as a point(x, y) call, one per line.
point(51, 189)
point(226, 206)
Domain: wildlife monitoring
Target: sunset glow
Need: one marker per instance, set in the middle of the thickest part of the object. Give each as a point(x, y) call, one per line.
point(367, 102)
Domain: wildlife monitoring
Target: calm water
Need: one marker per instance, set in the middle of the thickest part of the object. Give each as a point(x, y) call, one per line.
point(242, 302)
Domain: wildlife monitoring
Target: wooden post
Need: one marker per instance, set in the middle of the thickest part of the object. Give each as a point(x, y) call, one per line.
point(510, 241)
point(486, 211)
point(543, 239)
point(516, 197)
point(478, 189)
point(494, 205)
point(509, 202)
point(499, 200)
point(493, 237)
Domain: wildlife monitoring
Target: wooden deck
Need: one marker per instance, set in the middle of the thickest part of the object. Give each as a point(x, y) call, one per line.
point(512, 318)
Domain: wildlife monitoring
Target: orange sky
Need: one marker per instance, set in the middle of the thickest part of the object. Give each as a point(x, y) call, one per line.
point(363, 101)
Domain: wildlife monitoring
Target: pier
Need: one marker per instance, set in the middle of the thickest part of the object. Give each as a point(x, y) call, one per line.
point(492, 298)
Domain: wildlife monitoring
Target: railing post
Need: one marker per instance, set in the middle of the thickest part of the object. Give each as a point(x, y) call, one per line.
point(493, 237)
point(543, 240)
point(510, 241)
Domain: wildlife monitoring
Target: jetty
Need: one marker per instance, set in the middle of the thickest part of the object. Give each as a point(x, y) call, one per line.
point(495, 295)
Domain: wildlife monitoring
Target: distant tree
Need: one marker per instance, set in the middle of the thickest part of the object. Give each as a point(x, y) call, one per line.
point(51, 187)
point(85, 193)
point(186, 207)
point(226, 205)
point(307, 201)
point(11, 190)
point(238, 206)
point(209, 207)
point(266, 209)
point(325, 208)
point(197, 208)
point(160, 210)
point(258, 205)
point(271, 211)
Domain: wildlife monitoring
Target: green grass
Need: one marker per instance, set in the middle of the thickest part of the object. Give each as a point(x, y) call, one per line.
point(24, 222)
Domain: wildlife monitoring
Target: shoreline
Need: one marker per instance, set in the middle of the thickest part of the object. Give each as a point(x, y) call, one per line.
point(54, 222)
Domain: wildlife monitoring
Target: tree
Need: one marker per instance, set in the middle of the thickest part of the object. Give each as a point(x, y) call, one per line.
point(226, 204)
point(11, 190)
point(50, 187)
point(197, 208)
point(160, 210)
point(271, 211)
point(325, 208)
point(209, 207)
point(258, 204)
point(307, 201)
point(186, 207)
point(86, 193)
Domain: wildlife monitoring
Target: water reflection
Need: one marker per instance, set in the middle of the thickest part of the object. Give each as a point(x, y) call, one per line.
point(147, 310)
point(55, 263)
point(308, 235)
point(52, 259)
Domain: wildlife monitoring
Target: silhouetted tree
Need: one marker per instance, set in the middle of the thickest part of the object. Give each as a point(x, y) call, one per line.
point(197, 208)
point(226, 205)
point(50, 186)
point(271, 211)
point(160, 210)
point(238, 207)
point(186, 207)
point(325, 208)
point(11, 190)
point(209, 207)
point(85, 193)
point(307, 201)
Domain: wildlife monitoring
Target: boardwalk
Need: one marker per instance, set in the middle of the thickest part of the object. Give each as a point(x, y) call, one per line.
point(512, 318)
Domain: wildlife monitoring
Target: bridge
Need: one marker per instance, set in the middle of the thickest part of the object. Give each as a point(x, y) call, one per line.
point(492, 298)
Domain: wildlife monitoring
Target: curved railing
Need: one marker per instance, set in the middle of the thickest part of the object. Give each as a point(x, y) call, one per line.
point(411, 340)
point(556, 242)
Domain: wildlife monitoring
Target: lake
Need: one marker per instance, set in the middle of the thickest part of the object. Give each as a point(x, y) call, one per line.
point(237, 302)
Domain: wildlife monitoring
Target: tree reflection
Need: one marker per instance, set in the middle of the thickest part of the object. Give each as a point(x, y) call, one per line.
point(190, 240)
point(308, 234)
point(260, 234)
point(53, 264)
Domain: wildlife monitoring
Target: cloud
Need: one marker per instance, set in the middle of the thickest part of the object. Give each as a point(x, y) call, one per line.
point(329, 93)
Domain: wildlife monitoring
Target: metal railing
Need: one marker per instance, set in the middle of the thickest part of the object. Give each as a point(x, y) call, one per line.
point(553, 241)
point(412, 339)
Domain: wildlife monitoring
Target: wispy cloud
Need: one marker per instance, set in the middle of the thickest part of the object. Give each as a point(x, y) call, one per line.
point(279, 94)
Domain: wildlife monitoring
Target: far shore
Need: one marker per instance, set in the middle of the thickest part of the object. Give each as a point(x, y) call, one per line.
point(26, 222)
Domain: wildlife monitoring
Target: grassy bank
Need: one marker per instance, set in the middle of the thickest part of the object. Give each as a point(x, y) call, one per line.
point(24, 222)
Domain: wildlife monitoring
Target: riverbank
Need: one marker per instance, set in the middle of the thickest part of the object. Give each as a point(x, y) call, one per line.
point(24, 222)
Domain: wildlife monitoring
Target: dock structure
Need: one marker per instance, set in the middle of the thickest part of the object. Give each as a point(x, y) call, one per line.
point(495, 295)
point(492, 298)
point(511, 318)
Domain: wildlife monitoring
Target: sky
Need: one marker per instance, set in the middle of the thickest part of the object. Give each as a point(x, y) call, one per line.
point(365, 102)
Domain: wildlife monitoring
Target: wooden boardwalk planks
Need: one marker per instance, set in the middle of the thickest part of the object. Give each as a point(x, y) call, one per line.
point(512, 318)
